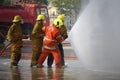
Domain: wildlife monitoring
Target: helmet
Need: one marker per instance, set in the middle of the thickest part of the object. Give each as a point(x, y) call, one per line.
point(61, 17)
point(58, 22)
point(40, 17)
point(17, 18)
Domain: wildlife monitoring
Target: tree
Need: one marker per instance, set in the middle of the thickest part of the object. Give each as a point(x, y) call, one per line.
point(37, 1)
point(42, 1)
point(5, 2)
point(1, 1)
point(67, 7)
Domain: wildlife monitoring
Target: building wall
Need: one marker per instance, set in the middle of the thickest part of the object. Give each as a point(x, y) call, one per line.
point(52, 13)
point(15, 1)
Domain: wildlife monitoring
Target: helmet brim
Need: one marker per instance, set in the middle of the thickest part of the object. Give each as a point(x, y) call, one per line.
point(16, 20)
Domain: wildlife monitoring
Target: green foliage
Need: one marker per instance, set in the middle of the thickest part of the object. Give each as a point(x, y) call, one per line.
point(1, 1)
point(5, 2)
point(43, 1)
point(66, 7)
point(38, 1)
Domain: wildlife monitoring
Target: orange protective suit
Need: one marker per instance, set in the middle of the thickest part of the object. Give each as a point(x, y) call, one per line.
point(50, 44)
point(63, 32)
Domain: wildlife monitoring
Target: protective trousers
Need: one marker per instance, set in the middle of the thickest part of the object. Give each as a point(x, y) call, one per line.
point(55, 53)
point(36, 51)
point(51, 58)
point(16, 55)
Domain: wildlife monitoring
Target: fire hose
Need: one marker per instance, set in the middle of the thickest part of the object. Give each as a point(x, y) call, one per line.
point(2, 35)
point(6, 46)
point(2, 51)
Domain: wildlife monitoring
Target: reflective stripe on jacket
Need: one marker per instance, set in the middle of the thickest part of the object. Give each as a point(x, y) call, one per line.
point(52, 36)
point(51, 48)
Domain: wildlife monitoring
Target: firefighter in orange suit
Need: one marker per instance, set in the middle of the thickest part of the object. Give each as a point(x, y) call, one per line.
point(37, 39)
point(15, 36)
point(63, 33)
point(50, 43)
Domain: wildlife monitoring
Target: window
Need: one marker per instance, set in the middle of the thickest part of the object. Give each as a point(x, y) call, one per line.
point(37, 11)
point(42, 11)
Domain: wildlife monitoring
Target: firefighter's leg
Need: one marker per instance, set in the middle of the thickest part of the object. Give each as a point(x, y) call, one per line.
point(56, 55)
point(36, 51)
point(50, 60)
point(18, 55)
point(62, 54)
point(42, 57)
point(33, 57)
point(15, 56)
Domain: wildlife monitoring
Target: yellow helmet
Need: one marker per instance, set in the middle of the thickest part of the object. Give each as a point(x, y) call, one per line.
point(61, 17)
point(58, 22)
point(17, 18)
point(40, 17)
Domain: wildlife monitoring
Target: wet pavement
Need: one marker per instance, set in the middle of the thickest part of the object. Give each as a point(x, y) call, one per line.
point(73, 71)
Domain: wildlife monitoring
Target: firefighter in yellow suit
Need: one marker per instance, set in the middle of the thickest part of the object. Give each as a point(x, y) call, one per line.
point(37, 39)
point(15, 36)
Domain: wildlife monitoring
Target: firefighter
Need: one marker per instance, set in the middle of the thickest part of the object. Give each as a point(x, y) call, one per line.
point(50, 43)
point(63, 32)
point(15, 36)
point(37, 39)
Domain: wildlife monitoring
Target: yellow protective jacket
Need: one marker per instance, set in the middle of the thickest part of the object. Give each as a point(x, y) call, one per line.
point(63, 31)
point(15, 34)
point(37, 34)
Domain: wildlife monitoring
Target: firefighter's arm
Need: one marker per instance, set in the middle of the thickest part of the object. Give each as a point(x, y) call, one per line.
point(36, 33)
point(59, 38)
point(63, 32)
point(9, 35)
point(12, 37)
point(20, 38)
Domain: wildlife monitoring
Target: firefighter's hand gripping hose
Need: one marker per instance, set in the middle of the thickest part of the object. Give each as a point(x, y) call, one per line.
point(3, 50)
